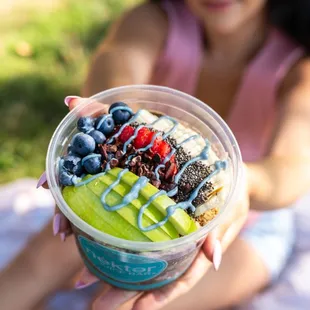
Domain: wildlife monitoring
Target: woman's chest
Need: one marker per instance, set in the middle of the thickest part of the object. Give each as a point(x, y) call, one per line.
point(218, 86)
point(228, 90)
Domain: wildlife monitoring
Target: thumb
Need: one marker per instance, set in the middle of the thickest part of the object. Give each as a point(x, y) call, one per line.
point(94, 108)
point(213, 250)
point(72, 101)
point(208, 245)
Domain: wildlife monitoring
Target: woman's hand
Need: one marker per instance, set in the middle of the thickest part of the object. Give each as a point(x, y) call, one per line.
point(211, 251)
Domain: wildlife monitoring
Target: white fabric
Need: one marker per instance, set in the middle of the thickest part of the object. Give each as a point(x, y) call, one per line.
point(292, 290)
point(24, 210)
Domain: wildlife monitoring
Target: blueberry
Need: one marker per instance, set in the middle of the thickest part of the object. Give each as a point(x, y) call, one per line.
point(70, 150)
point(93, 164)
point(85, 124)
point(73, 164)
point(120, 116)
point(98, 136)
point(83, 144)
point(105, 124)
point(117, 104)
point(65, 178)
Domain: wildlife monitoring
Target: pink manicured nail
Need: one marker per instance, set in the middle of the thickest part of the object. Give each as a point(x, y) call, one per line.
point(63, 237)
point(56, 224)
point(86, 279)
point(68, 99)
point(80, 285)
point(42, 180)
point(217, 255)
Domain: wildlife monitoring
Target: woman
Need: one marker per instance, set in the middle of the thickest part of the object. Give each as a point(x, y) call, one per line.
point(228, 54)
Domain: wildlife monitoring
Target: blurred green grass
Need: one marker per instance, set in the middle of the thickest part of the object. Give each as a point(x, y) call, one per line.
point(44, 57)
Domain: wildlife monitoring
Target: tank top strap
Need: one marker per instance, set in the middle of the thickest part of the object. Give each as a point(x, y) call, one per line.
point(254, 109)
point(274, 61)
point(179, 63)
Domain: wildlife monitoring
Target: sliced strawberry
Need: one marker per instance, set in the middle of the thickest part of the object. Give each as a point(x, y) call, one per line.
point(171, 167)
point(163, 149)
point(175, 170)
point(143, 138)
point(127, 132)
point(155, 147)
point(171, 171)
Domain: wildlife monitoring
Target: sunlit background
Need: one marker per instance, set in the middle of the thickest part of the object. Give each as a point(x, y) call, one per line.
point(45, 46)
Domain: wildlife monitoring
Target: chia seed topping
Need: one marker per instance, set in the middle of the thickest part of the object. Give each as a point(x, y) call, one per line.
point(191, 177)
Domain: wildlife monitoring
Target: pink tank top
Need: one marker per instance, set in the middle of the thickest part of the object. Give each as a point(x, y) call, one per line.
point(253, 113)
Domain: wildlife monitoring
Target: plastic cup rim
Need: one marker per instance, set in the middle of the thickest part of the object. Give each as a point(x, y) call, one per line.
point(129, 244)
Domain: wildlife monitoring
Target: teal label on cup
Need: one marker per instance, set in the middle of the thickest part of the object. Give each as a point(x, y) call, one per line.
point(121, 266)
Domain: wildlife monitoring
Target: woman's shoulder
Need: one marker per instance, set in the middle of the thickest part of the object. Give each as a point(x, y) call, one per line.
point(144, 23)
point(297, 79)
point(153, 10)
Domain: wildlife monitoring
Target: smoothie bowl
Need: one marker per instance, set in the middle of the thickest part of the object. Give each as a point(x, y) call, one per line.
point(143, 173)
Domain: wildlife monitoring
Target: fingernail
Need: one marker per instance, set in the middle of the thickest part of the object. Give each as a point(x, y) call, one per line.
point(80, 285)
point(68, 99)
point(42, 179)
point(217, 255)
point(86, 279)
point(56, 224)
point(63, 237)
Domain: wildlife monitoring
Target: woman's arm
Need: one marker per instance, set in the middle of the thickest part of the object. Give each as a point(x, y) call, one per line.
point(284, 175)
point(44, 266)
point(129, 53)
point(127, 56)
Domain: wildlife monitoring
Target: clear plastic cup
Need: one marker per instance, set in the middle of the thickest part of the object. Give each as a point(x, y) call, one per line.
point(144, 265)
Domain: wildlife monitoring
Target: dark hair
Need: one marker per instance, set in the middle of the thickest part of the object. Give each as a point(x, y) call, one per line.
point(290, 16)
point(293, 18)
